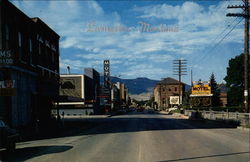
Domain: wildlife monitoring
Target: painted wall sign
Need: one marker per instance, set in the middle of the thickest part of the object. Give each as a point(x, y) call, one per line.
point(6, 57)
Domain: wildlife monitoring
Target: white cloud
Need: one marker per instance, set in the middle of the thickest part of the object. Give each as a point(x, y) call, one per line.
point(144, 70)
point(198, 28)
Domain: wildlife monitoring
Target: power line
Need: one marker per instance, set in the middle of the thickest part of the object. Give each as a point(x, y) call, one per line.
point(218, 43)
point(225, 36)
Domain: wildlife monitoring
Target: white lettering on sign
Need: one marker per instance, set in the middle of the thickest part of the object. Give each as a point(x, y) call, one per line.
point(106, 62)
point(5, 54)
point(47, 43)
point(39, 38)
point(245, 93)
point(7, 84)
point(6, 57)
point(6, 61)
point(53, 48)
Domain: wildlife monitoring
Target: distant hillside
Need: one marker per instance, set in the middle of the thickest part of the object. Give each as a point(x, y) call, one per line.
point(138, 85)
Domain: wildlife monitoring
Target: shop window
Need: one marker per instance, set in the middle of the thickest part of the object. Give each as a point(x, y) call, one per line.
point(31, 51)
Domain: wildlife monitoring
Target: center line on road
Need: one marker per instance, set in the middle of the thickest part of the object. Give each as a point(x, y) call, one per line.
point(139, 156)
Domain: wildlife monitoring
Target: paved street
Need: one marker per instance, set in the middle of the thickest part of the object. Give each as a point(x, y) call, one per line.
point(141, 137)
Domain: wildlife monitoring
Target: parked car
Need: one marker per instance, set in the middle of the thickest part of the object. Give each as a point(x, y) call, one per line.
point(8, 137)
point(121, 112)
point(141, 109)
point(150, 111)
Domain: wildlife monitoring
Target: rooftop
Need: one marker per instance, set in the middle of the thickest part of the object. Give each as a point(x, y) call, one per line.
point(170, 81)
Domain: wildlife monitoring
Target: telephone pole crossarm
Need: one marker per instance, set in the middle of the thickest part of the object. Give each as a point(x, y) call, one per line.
point(179, 68)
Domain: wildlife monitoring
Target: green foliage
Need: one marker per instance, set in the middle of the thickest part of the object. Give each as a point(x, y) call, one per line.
point(215, 91)
point(150, 101)
point(235, 80)
point(177, 111)
point(186, 99)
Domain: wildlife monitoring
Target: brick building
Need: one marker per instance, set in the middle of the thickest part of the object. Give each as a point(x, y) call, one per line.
point(163, 90)
point(30, 60)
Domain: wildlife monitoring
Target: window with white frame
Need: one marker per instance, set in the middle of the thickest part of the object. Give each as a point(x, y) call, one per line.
point(19, 39)
point(30, 45)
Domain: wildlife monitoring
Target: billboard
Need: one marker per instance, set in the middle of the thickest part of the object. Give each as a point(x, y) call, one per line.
point(174, 100)
point(71, 86)
point(201, 89)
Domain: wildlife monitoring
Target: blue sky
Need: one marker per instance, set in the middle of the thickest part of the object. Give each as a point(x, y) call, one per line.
point(200, 26)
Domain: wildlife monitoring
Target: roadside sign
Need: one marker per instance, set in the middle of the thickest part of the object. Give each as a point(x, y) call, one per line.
point(245, 93)
point(7, 88)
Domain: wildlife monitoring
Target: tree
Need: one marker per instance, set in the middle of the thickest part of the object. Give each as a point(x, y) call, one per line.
point(150, 101)
point(215, 91)
point(186, 99)
point(234, 80)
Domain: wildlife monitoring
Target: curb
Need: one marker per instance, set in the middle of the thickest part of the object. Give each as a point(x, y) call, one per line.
point(243, 128)
point(163, 113)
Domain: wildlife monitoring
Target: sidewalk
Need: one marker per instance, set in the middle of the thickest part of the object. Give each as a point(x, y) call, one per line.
point(163, 112)
point(180, 115)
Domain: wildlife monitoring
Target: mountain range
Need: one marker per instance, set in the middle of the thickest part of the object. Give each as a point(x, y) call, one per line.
point(138, 85)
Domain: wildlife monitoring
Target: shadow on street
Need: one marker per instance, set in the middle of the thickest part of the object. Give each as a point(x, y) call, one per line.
point(210, 156)
point(125, 123)
point(30, 152)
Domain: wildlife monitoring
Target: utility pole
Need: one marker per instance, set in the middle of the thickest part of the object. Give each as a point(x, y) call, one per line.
point(191, 77)
point(245, 15)
point(180, 68)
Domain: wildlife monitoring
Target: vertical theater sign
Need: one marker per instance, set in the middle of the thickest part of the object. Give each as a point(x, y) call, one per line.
point(106, 94)
point(106, 73)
